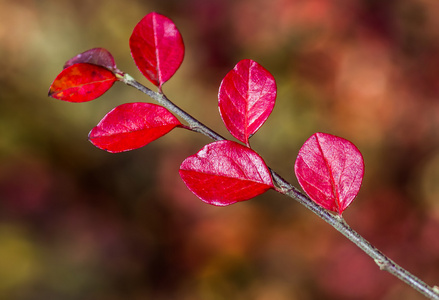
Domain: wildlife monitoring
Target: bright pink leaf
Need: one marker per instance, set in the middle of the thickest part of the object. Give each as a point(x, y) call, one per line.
point(246, 98)
point(81, 82)
point(157, 48)
point(132, 125)
point(225, 172)
point(96, 56)
point(330, 170)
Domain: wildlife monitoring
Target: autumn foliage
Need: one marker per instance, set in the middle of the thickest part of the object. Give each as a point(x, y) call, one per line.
point(330, 169)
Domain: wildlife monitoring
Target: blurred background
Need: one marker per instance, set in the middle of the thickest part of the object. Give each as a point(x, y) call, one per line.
point(79, 223)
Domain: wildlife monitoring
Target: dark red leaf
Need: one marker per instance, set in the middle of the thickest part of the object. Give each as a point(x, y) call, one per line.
point(157, 48)
point(246, 98)
point(81, 82)
point(225, 172)
point(132, 125)
point(330, 170)
point(96, 56)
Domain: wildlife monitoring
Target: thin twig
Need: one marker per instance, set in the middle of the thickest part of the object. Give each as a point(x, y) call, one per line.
point(284, 187)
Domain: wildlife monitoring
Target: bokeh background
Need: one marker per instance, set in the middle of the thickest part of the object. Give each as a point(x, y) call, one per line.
point(79, 223)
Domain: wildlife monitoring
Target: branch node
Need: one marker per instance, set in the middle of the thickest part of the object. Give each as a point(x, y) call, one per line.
point(382, 264)
point(340, 219)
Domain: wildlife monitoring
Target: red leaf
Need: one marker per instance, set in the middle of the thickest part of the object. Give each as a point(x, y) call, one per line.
point(246, 98)
point(225, 172)
point(330, 170)
point(96, 56)
point(81, 82)
point(132, 125)
point(157, 48)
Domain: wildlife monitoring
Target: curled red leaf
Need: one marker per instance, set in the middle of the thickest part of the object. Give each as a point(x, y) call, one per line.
point(132, 125)
point(226, 172)
point(330, 170)
point(246, 98)
point(81, 82)
point(157, 48)
point(96, 56)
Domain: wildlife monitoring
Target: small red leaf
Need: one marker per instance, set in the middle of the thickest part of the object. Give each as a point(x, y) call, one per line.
point(81, 82)
point(96, 56)
point(225, 172)
point(132, 125)
point(157, 48)
point(246, 98)
point(330, 170)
